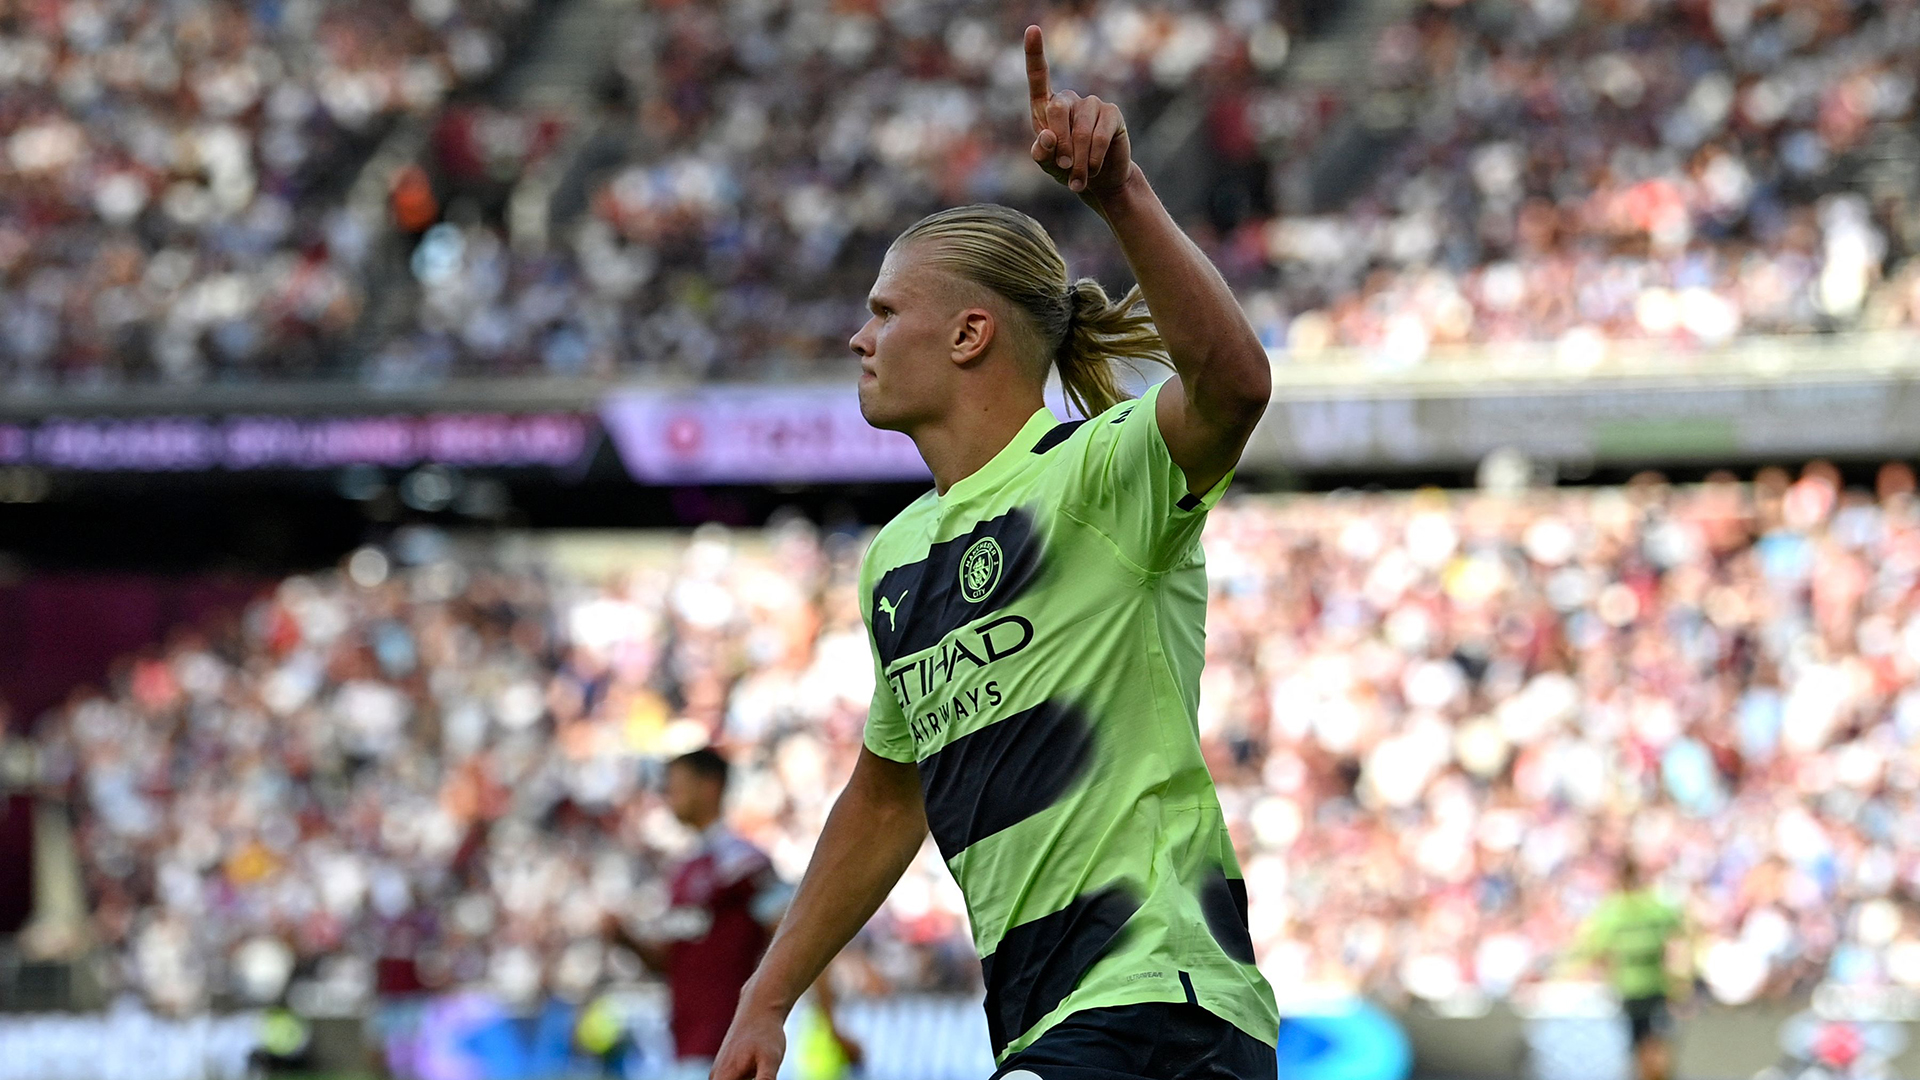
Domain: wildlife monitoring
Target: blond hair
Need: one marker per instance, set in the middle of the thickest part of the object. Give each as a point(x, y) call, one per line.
point(1086, 334)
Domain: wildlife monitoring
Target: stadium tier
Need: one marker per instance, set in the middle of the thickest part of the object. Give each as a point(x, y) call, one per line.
point(1428, 716)
point(202, 194)
point(171, 204)
point(1573, 173)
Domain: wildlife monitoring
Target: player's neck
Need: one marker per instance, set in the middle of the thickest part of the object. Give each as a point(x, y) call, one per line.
point(961, 443)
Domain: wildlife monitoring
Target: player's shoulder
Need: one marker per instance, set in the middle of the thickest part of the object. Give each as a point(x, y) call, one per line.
point(1095, 435)
point(735, 857)
point(1072, 436)
point(892, 543)
point(1124, 411)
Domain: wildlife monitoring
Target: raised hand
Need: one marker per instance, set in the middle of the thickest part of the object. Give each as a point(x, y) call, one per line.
point(1079, 141)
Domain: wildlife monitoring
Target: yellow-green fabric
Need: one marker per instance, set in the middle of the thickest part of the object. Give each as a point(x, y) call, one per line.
point(1629, 931)
point(1038, 633)
point(817, 1054)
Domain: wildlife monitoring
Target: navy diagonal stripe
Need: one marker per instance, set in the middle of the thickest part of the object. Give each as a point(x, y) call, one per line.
point(1056, 435)
point(928, 603)
point(1038, 963)
point(1223, 900)
point(1004, 773)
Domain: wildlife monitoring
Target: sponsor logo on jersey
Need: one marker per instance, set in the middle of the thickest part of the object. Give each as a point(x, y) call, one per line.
point(975, 574)
point(890, 608)
point(935, 672)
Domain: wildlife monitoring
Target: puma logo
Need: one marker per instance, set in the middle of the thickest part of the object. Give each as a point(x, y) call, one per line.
point(891, 607)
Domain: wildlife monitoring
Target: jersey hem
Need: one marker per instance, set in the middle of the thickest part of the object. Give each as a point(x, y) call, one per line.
point(909, 760)
point(1174, 995)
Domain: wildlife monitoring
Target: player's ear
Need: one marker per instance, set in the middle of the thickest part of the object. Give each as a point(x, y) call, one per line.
point(972, 332)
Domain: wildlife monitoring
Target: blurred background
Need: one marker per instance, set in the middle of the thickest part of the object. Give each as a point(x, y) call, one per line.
point(420, 421)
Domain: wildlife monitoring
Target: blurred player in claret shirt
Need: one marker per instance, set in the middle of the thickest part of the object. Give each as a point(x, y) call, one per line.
point(725, 900)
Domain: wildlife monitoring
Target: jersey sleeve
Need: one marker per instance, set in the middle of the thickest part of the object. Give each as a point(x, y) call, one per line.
point(1127, 485)
point(1595, 935)
point(887, 734)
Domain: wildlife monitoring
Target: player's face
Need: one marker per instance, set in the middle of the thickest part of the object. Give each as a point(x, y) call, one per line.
point(694, 799)
point(905, 348)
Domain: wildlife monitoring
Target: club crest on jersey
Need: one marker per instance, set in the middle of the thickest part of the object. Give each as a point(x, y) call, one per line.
point(980, 569)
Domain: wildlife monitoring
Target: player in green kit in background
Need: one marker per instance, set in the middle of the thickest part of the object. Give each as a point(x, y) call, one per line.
point(1038, 629)
point(1629, 934)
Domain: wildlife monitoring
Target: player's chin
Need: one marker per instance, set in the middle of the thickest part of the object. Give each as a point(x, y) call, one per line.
point(874, 406)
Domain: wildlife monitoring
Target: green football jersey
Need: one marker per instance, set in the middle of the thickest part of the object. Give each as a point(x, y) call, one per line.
point(1038, 633)
point(1630, 930)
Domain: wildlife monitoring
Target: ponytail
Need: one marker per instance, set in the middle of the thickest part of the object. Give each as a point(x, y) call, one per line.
point(1102, 336)
point(1083, 332)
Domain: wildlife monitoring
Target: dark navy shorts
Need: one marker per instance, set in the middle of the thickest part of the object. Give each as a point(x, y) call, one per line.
point(1155, 1041)
point(1647, 1018)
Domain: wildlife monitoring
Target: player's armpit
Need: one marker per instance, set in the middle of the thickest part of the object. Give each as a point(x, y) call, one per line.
point(1206, 448)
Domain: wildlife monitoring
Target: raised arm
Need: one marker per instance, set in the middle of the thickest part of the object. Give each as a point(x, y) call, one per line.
point(1223, 382)
point(876, 827)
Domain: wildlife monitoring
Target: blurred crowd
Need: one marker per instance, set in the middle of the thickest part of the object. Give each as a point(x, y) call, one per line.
point(1685, 171)
point(1437, 722)
point(1692, 171)
point(774, 150)
point(392, 779)
point(171, 175)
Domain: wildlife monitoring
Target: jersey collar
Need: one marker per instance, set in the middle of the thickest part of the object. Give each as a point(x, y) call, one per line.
point(1010, 458)
point(713, 836)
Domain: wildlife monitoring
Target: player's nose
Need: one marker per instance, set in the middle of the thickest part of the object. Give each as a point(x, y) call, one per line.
point(862, 341)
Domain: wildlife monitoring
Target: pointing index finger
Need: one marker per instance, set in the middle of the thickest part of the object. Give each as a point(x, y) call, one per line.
point(1038, 88)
